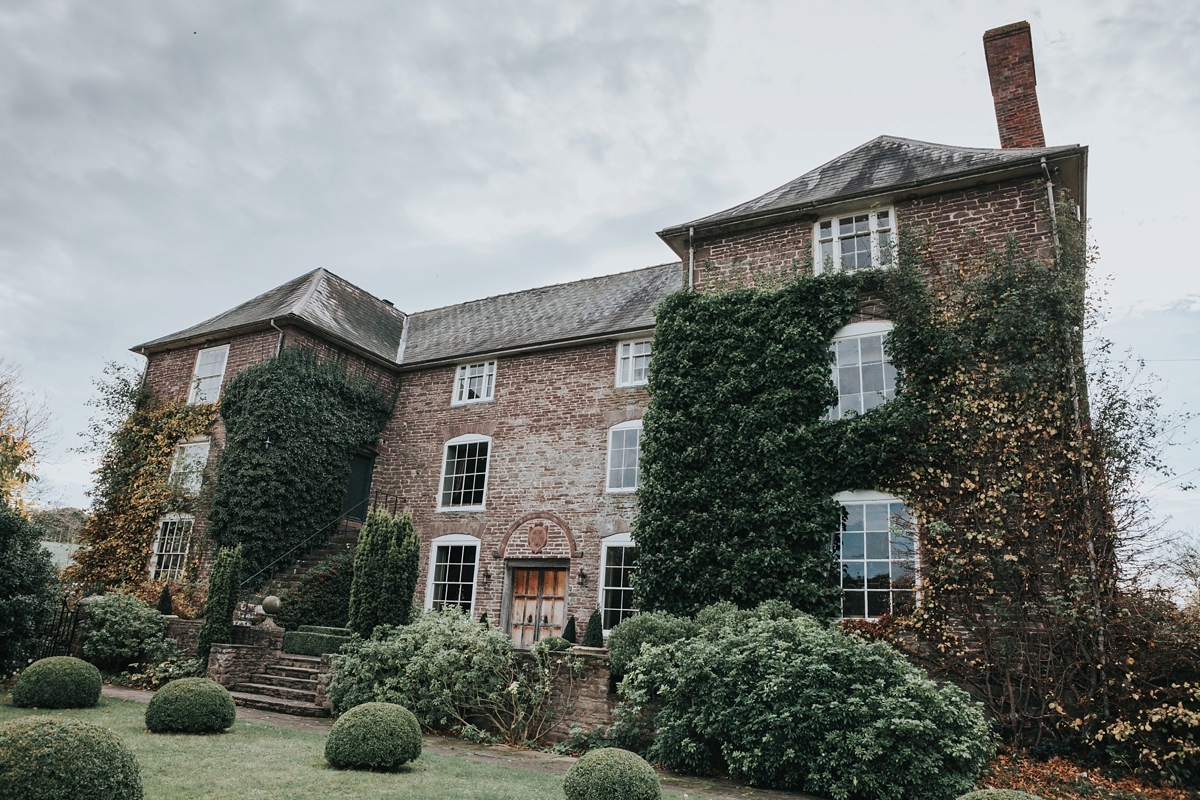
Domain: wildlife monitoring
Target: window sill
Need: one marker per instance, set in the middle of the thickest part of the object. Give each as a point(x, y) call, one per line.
point(458, 403)
point(459, 509)
point(621, 491)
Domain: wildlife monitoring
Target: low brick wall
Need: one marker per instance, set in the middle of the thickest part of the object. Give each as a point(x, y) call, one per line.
point(583, 699)
point(236, 663)
point(267, 635)
point(186, 633)
point(324, 675)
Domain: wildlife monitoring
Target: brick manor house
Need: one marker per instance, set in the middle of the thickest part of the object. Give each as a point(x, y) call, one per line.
point(514, 440)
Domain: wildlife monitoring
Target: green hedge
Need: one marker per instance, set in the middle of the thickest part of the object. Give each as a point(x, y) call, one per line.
point(190, 705)
point(322, 597)
point(50, 758)
point(325, 630)
point(374, 736)
point(57, 682)
point(302, 643)
point(608, 773)
point(27, 587)
point(122, 632)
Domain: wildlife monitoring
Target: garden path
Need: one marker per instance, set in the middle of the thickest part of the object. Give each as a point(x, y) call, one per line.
point(514, 757)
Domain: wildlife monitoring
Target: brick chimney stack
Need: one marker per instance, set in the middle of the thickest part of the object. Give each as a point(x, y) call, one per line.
point(1009, 52)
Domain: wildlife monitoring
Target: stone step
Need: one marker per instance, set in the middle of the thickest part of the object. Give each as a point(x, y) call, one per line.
point(268, 690)
point(289, 660)
point(284, 671)
point(309, 683)
point(278, 704)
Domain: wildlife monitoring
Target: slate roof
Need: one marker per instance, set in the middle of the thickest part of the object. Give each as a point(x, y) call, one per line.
point(882, 165)
point(608, 305)
point(318, 300)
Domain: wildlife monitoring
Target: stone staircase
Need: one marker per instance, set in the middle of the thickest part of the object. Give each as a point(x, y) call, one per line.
point(285, 580)
point(287, 685)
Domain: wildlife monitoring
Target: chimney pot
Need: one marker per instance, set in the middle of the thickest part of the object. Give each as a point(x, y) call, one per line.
point(1009, 52)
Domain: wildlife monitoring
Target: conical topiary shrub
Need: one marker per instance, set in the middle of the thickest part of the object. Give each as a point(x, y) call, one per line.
point(593, 636)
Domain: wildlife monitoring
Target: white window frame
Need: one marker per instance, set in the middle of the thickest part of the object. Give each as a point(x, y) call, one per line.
point(457, 440)
point(462, 373)
point(450, 540)
point(633, 424)
point(858, 330)
point(877, 254)
point(190, 482)
point(625, 353)
point(623, 540)
point(865, 496)
point(174, 572)
point(194, 394)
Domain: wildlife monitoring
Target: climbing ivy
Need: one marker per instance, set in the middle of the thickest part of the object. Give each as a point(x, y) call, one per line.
point(137, 442)
point(292, 424)
point(739, 465)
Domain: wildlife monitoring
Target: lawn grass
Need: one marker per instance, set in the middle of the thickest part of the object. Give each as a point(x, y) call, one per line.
point(254, 759)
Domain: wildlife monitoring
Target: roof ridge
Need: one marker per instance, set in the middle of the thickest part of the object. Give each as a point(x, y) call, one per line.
point(319, 275)
point(541, 288)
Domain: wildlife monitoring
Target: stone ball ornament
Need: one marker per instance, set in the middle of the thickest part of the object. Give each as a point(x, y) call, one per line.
point(271, 604)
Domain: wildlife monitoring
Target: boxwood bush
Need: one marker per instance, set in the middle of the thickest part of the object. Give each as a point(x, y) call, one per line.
point(190, 705)
point(325, 630)
point(611, 772)
point(374, 736)
point(123, 631)
point(303, 643)
point(49, 758)
point(792, 703)
point(655, 627)
point(57, 682)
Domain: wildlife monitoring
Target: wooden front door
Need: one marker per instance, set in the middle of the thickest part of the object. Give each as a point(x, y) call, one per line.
point(539, 604)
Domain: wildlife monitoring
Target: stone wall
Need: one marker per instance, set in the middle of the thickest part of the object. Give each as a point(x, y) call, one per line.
point(588, 703)
point(186, 633)
point(237, 663)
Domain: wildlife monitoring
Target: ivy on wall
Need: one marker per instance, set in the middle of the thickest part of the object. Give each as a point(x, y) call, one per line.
point(292, 424)
point(739, 465)
point(132, 490)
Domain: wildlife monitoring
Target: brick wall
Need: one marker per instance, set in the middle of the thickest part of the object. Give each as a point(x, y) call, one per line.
point(963, 222)
point(549, 424)
point(1009, 53)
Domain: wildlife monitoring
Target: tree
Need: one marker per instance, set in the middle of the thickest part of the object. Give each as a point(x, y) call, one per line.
point(27, 586)
point(164, 601)
point(385, 572)
point(24, 423)
point(224, 585)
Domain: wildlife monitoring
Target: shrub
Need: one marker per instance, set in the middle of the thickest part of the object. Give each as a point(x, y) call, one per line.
point(122, 631)
point(998, 794)
point(569, 632)
point(791, 703)
point(374, 736)
point(57, 682)
point(190, 705)
point(303, 643)
point(164, 605)
point(386, 563)
point(443, 667)
point(611, 772)
point(47, 758)
point(26, 587)
point(593, 634)
point(322, 597)
point(656, 628)
point(224, 584)
point(552, 644)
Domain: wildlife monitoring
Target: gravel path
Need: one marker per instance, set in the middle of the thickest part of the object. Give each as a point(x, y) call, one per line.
point(515, 757)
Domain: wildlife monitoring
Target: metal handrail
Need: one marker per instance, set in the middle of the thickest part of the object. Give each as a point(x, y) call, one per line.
point(391, 502)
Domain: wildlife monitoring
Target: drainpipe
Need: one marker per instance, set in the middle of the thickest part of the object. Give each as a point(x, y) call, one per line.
point(279, 344)
point(691, 259)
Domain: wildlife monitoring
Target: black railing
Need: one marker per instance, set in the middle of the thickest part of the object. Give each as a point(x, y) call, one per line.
point(59, 632)
point(320, 538)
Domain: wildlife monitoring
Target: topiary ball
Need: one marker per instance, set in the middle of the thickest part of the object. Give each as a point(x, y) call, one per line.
point(190, 705)
point(611, 772)
point(998, 794)
point(57, 682)
point(374, 736)
point(49, 758)
point(553, 644)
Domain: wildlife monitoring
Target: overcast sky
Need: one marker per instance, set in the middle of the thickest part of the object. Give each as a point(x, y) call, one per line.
point(161, 162)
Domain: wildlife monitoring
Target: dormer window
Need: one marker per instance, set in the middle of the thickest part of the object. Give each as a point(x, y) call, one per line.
point(474, 383)
point(850, 242)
